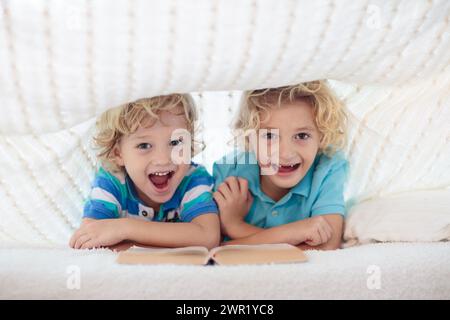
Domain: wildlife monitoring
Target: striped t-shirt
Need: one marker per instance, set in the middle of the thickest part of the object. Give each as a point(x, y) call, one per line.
point(115, 196)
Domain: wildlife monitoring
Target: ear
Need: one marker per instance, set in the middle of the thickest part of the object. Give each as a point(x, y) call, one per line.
point(117, 156)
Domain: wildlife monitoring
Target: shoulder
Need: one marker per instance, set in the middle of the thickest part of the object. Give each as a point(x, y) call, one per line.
point(328, 184)
point(196, 189)
point(106, 179)
point(197, 175)
point(105, 199)
point(327, 166)
point(197, 171)
point(112, 183)
point(329, 163)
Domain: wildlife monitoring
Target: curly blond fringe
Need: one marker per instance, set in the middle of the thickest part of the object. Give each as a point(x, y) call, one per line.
point(329, 111)
point(126, 119)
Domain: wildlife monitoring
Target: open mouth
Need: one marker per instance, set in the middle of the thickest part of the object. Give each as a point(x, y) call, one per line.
point(283, 169)
point(161, 179)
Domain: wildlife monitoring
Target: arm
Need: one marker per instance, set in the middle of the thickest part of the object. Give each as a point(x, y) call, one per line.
point(279, 234)
point(204, 230)
point(240, 229)
point(330, 202)
point(336, 221)
point(235, 200)
point(313, 231)
point(201, 231)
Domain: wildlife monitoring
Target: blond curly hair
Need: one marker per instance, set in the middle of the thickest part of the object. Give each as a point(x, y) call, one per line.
point(329, 112)
point(126, 119)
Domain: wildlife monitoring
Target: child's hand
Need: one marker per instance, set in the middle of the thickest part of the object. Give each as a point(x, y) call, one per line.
point(97, 233)
point(314, 231)
point(234, 201)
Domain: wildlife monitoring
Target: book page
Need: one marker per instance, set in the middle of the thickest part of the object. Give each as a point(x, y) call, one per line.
point(187, 255)
point(257, 254)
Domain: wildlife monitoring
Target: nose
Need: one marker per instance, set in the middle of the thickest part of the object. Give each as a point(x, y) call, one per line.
point(161, 156)
point(286, 150)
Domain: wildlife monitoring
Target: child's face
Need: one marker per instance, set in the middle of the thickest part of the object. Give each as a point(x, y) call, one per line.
point(297, 141)
point(147, 156)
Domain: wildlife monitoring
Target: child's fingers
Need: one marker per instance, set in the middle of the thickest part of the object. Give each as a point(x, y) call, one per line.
point(224, 190)
point(323, 235)
point(243, 186)
point(327, 228)
point(233, 184)
point(314, 240)
point(77, 234)
point(72, 241)
point(81, 240)
point(90, 244)
point(218, 196)
point(245, 193)
point(327, 234)
point(329, 231)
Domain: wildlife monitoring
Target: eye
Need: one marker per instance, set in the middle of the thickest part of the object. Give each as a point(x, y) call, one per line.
point(144, 146)
point(269, 135)
point(302, 136)
point(176, 142)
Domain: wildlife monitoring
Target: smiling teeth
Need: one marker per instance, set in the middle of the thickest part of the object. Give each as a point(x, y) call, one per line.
point(161, 173)
point(290, 165)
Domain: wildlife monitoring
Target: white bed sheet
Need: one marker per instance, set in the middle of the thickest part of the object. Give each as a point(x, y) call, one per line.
point(374, 271)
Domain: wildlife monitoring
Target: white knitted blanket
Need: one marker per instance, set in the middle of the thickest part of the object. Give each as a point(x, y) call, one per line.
point(62, 63)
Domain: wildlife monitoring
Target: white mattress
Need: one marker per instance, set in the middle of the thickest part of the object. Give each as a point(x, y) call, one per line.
point(388, 271)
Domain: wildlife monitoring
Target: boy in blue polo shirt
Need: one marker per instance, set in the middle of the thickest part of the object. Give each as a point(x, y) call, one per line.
point(287, 186)
point(148, 180)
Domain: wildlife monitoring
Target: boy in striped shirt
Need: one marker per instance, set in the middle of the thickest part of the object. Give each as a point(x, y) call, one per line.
point(147, 179)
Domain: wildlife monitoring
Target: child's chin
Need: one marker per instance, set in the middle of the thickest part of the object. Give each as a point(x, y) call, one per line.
point(161, 198)
point(285, 183)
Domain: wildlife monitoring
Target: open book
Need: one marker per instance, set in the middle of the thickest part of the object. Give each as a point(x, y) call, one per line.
point(224, 255)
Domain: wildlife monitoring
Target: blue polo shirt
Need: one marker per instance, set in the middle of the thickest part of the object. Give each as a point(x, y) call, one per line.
point(319, 192)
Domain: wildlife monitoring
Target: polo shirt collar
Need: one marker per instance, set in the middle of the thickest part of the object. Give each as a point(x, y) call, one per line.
point(173, 202)
point(304, 187)
point(252, 175)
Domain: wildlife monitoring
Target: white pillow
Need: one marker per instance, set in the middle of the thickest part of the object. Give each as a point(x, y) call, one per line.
point(414, 216)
